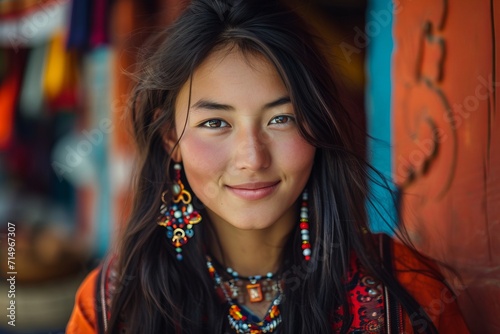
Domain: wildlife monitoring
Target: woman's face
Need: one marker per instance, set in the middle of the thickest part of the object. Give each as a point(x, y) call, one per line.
point(241, 149)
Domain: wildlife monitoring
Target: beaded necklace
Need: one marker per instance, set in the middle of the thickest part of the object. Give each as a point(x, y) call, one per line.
point(252, 279)
point(242, 321)
point(259, 288)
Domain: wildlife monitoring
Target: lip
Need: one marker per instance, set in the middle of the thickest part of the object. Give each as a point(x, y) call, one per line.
point(254, 190)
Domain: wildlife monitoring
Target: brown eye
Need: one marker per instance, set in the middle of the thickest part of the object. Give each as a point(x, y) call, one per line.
point(281, 119)
point(214, 123)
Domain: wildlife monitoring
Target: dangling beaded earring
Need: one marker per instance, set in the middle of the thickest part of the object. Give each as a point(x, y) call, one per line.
point(178, 217)
point(304, 227)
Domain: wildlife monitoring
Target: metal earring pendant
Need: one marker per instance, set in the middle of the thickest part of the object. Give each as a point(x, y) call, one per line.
point(178, 216)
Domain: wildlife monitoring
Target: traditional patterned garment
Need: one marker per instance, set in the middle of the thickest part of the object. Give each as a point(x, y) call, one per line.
point(366, 296)
point(366, 299)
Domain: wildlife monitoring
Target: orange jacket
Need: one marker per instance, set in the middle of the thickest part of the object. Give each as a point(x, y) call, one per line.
point(83, 318)
point(432, 295)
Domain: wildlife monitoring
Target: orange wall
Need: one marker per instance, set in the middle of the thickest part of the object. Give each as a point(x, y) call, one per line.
point(446, 127)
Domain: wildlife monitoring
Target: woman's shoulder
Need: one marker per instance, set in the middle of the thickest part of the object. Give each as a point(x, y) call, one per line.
point(422, 278)
point(83, 317)
point(93, 299)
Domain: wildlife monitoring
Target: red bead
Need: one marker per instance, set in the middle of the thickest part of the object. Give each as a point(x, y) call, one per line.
point(304, 226)
point(304, 204)
point(304, 246)
point(307, 258)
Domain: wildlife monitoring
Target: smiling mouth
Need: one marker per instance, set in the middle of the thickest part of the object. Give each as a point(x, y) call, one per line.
point(254, 190)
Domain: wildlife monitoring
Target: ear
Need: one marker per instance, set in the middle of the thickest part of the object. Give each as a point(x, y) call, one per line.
point(171, 146)
point(169, 138)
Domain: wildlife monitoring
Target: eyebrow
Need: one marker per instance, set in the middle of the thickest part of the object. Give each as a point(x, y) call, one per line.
point(211, 105)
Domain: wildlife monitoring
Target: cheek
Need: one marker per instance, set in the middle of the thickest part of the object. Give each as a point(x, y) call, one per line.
point(203, 163)
point(297, 155)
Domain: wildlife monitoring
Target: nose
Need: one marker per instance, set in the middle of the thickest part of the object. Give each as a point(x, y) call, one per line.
point(252, 151)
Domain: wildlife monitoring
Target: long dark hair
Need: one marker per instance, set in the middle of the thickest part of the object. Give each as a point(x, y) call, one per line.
point(157, 293)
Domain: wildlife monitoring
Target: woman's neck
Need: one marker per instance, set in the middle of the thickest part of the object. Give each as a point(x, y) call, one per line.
point(251, 252)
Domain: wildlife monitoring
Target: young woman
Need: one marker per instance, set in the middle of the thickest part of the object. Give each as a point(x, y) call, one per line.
point(249, 212)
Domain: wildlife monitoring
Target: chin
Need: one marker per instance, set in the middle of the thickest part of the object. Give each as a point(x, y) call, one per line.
point(251, 227)
point(250, 223)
